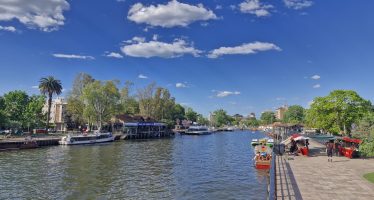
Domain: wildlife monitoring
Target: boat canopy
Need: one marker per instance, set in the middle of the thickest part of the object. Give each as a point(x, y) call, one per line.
point(144, 124)
point(347, 139)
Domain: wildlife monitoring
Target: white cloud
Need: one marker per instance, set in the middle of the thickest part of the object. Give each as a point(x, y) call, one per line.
point(247, 48)
point(73, 56)
point(135, 39)
point(172, 14)
point(113, 55)
point(155, 37)
point(221, 94)
point(298, 4)
point(218, 7)
point(7, 28)
point(316, 86)
point(35, 87)
point(142, 76)
point(47, 15)
point(315, 77)
point(180, 85)
point(177, 48)
point(255, 7)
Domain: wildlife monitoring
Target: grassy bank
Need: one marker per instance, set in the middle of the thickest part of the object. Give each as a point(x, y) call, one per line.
point(369, 177)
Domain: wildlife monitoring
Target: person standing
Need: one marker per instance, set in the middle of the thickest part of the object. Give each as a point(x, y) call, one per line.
point(329, 149)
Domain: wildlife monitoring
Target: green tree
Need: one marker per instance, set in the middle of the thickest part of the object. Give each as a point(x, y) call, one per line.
point(251, 123)
point(178, 112)
point(75, 105)
point(100, 99)
point(34, 112)
point(128, 103)
point(337, 112)
point(15, 103)
point(267, 117)
point(191, 115)
point(202, 120)
point(3, 117)
point(221, 118)
point(49, 86)
point(145, 96)
point(294, 114)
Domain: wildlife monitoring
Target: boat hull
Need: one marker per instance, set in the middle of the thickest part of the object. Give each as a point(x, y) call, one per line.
point(103, 140)
point(197, 133)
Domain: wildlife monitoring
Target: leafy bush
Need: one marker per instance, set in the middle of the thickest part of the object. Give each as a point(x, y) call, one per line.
point(367, 148)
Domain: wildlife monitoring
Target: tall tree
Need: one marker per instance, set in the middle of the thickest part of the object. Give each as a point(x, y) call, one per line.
point(75, 106)
point(202, 120)
point(145, 97)
point(267, 117)
point(337, 112)
point(34, 111)
point(294, 114)
point(15, 103)
point(100, 99)
point(191, 115)
point(128, 103)
point(49, 86)
point(221, 118)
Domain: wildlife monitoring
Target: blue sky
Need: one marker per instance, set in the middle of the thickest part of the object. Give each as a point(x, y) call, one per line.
point(241, 55)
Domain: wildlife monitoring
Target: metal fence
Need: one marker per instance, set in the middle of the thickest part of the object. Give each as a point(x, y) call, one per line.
point(273, 181)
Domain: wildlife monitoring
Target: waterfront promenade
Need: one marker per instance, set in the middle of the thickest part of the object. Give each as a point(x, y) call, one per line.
point(312, 178)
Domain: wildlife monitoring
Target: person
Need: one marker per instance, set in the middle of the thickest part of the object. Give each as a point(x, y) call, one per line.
point(293, 146)
point(329, 149)
point(337, 148)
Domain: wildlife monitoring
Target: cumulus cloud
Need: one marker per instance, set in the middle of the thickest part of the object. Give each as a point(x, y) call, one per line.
point(172, 14)
point(35, 87)
point(180, 85)
point(113, 55)
point(255, 7)
point(247, 48)
point(72, 56)
point(316, 86)
point(315, 77)
point(297, 4)
point(141, 48)
point(46, 15)
point(221, 94)
point(7, 28)
point(142, 76)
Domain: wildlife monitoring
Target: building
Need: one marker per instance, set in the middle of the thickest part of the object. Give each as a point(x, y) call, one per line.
point(58, 114)
point(252, 115)
point(279, 112)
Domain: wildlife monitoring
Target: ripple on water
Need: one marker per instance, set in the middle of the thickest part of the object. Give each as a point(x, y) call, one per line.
point(217, 166)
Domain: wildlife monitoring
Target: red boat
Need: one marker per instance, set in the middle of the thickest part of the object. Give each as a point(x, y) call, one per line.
point(349, 147)
point(262, 156)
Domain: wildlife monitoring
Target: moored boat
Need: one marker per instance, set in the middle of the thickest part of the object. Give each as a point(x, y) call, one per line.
point(86, 139)
point(198, 130)
point(266, 141)
point(262, 156)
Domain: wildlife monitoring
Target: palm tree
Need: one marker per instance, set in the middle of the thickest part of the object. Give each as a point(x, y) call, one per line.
point(49, 86)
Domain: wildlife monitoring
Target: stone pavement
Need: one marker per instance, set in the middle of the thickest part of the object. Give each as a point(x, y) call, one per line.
point(315, 178)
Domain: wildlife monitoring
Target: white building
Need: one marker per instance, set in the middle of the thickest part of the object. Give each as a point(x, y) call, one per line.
point(58, 113)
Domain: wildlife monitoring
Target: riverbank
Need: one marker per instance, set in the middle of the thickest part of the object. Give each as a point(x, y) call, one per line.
point(314, 178)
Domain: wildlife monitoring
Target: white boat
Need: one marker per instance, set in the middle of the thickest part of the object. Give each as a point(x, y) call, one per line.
point(86, 139)
point(198, 130)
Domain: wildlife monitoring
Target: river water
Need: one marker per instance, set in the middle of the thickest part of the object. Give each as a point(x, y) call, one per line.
point(217, 166)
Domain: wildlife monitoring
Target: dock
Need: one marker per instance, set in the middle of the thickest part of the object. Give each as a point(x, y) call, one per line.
point(313, 178)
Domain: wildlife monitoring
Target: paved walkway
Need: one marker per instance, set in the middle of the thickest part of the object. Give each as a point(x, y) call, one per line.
point(315, 178)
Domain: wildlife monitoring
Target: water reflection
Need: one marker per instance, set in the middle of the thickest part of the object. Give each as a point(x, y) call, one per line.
point(217, 166)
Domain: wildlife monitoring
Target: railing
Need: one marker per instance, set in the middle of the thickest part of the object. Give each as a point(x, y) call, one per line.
point(273, 181)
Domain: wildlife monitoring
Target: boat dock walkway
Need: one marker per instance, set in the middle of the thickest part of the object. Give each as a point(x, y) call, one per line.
point(314, 178)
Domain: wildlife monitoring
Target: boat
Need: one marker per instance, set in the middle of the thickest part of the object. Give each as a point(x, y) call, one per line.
point(28, 143)
point(87, 138)
point(262, 156)
point(266, 141)
point(198, 130)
